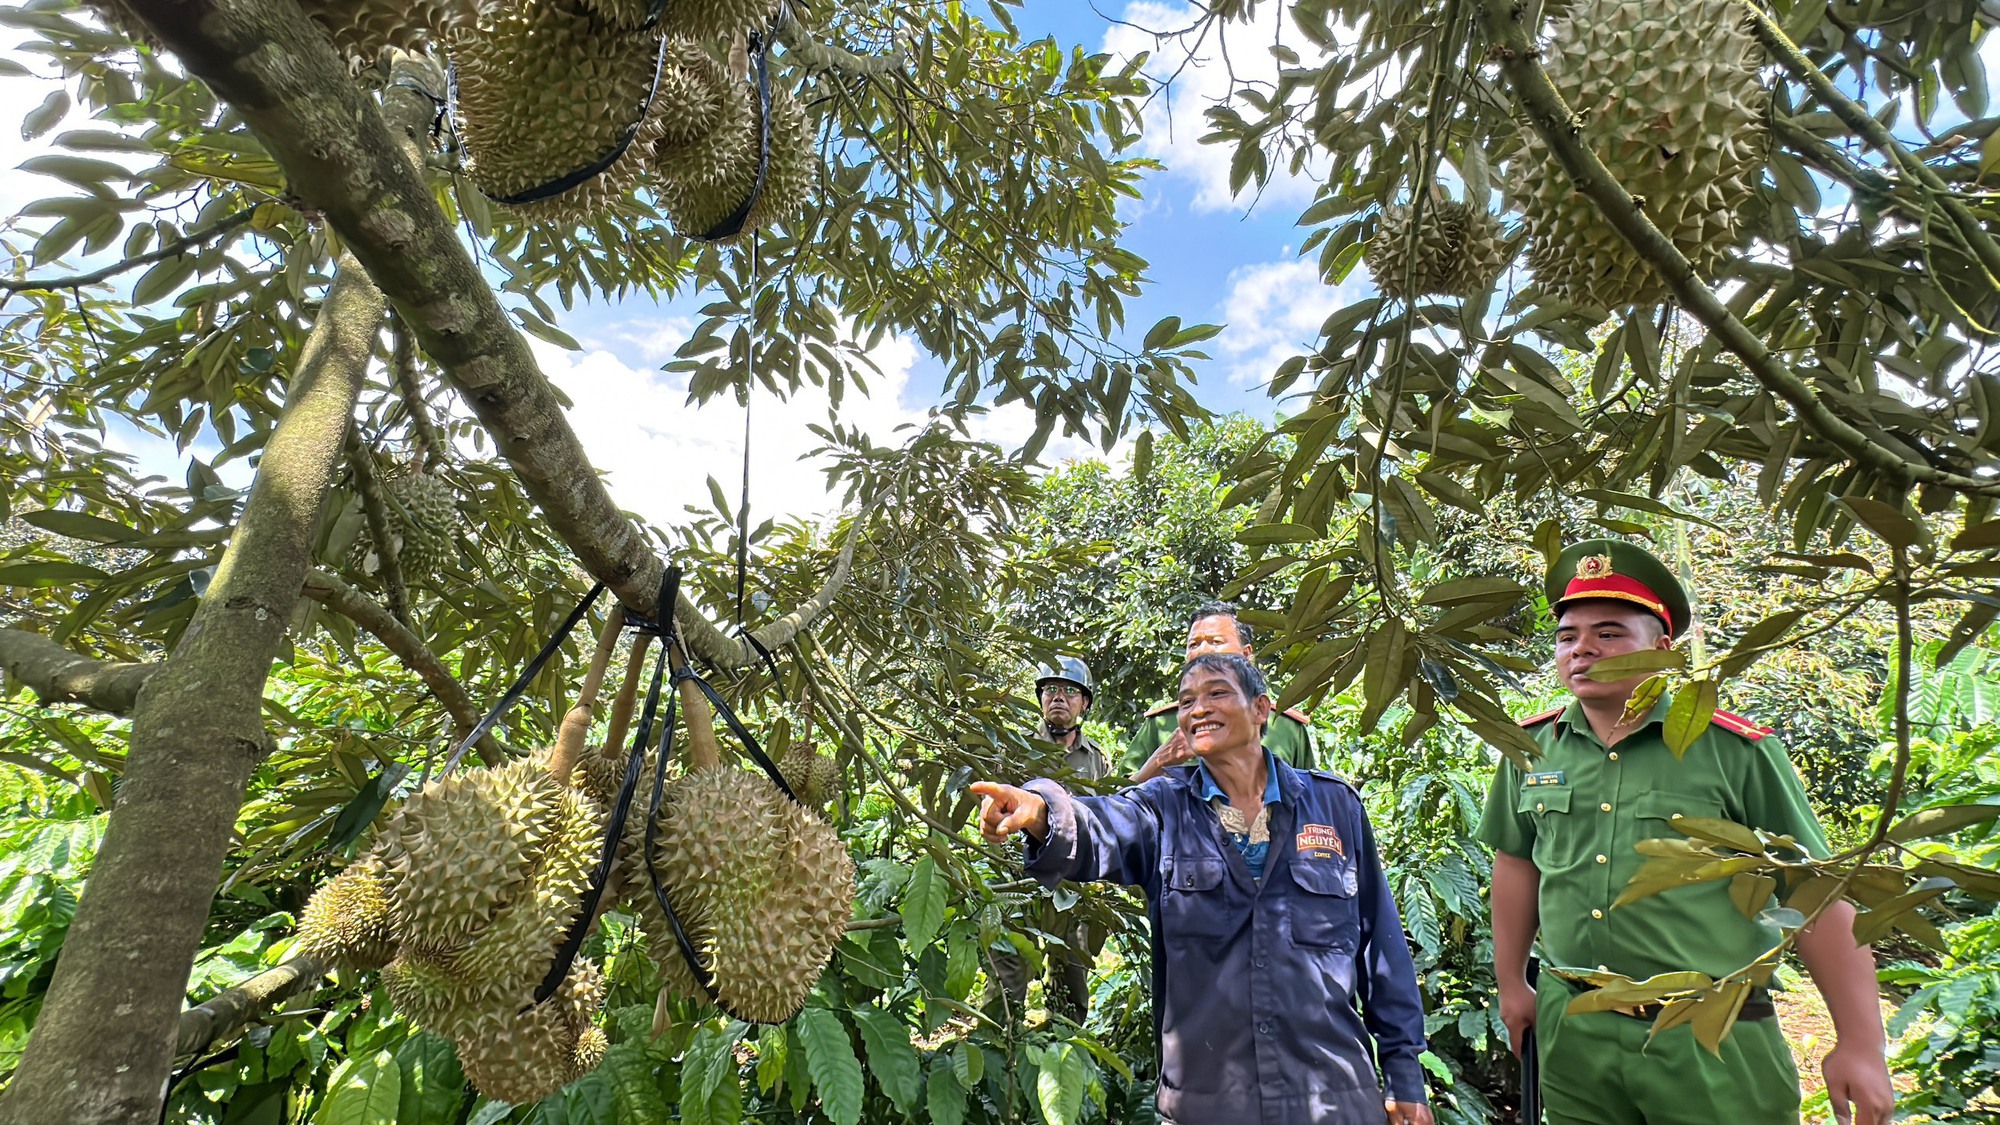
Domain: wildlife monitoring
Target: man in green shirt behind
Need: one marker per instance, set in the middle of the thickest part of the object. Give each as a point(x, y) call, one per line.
point(1565, 837)
point(1156, 744)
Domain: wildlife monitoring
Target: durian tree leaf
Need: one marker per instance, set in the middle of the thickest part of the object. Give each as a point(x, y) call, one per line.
point(1688, 715)
point(836, 1073)
point(892, 1060)
point(1750, 892)
point(1876, 923)
point(363, 1090)
point(1611, 669)
point(79, 525)
point(944, 1098)
point(38, 574)
point(1059, 1084)
point(1943, 820)
point(1762, 635)
point(924, 899)
point(433, 1083)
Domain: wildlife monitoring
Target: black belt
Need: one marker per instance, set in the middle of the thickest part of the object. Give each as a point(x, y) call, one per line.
point(1757, 1007)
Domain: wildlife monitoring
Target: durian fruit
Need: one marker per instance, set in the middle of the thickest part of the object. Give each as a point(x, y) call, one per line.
point(708, 19)
point(692, 98)
point(365, 28)
point(1669, 96)
point(811, 774)
point(761, 886)
point(347, 920)
point(463, 847)
point(423, 524)
point(423, 990)
point(1460, 250)
point(524, 1053)
point(703, 185)
point(512, 954)
point(546, 90)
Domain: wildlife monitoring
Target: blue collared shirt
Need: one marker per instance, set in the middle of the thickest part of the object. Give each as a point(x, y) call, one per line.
point(1273, 998)
point(1254, 852)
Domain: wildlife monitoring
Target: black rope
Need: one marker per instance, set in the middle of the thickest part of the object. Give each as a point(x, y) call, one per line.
point(733, 225)
point(770, 662)
point(743, 511)
point(527, 676)
point(591, 171)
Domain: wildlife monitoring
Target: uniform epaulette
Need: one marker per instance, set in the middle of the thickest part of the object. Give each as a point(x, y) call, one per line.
point(1163, 708)
point(1298, 716)
point(1538, 720)
point(1737, 724)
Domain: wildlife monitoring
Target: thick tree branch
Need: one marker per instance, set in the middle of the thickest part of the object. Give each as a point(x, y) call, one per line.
point(1553, 121)
point(182, 245)
point(57, 675)
point(1878, 136)
point(815, 55)
point(225, 1015)
point(197, 733)
point(338, 596)
point(361, 165)
point(375, 509)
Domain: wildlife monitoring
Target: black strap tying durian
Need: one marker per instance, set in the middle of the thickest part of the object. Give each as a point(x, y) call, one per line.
point(733, 225)
point(596, 168)
point(527, 676)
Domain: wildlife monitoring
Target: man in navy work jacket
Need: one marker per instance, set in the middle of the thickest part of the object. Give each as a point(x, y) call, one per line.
point(1271, 919)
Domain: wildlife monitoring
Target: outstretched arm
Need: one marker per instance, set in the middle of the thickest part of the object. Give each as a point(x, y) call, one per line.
point(1857, 1073)
point(1085, 839)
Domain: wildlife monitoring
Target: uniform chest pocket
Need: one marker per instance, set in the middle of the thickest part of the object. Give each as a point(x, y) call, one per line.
point(1657, 810)
point(1323, 911)
point(1561, 837)
point(1193, 898)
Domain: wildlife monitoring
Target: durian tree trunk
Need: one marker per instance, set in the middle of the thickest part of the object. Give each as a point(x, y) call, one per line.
point(360, 165)
point(102, 1049)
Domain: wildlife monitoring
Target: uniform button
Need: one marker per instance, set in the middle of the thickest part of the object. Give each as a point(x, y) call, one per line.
point(1258, 962)
point(1264, 1027)
point(1601, 859)
point(1606, 806)
point(1604, 968)
point(1614, 755)
point(1540, 807)
point(1597, 914)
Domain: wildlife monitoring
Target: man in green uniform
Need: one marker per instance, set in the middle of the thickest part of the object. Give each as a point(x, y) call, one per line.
point(1565, 836)
point(1156, 743)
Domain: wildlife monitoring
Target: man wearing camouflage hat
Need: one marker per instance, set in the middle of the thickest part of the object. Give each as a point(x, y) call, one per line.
point(1565, 836)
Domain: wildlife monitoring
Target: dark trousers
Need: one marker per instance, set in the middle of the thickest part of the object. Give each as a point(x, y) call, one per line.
point(1068, 983)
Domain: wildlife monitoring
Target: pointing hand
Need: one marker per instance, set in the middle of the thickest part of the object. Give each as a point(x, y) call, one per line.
point(1007, 810)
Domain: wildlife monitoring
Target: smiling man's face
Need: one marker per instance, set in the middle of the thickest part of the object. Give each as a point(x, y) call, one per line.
point(1590, 631)
point(1217, 717)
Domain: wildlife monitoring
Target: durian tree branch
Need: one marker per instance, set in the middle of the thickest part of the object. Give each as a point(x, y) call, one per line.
point(1554, 121)
point(225, 1015)
point(375, 509)
point(361, 165)
point(336, 595)
point(102, 1049)
point(1856, 117)
point(815, 55)
point(403, 369)
point(57, 675)
point(180, 245)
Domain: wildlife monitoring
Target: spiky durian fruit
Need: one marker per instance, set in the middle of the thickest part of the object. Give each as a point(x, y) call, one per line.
point(705, 184)
point(422, 990)
point(463, 847)
point(762, 887)
point(692, 98)
point(546, 91)
point(423, 527)
point(347, 920)
point(512, 954)
point(1460, 250)
point(1669, 96)
point(521, 1054)
point(364, 28)
point(811, 774)
point(710, 19)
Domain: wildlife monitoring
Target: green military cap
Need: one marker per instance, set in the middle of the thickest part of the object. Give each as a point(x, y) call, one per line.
point(1620, 571)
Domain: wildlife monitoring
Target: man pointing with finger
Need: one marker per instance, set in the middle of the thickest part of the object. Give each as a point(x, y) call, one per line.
point(1280, 973)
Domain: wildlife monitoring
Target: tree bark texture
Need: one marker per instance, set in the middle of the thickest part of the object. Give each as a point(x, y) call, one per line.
point(103, 1046)
point(354, 162)
point(226, 1014)
point(57, 675)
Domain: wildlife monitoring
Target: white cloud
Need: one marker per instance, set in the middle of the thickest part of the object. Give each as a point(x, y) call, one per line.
point(1273, 311)
point(1192, 73)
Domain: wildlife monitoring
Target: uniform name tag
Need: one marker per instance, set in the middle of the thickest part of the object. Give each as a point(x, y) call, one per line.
point(1534, 780)
point(1320, 841)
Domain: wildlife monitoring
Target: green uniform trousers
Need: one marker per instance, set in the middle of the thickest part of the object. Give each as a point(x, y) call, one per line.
point(1597, 1069)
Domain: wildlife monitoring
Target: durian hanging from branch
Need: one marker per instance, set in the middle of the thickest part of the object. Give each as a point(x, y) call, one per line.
point(1669, 95)
point(1459, 251)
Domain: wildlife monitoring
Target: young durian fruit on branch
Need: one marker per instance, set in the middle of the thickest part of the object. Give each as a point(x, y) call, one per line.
point(348, 921)
point(363, 29)
point(547, 90)
point(1670, 96)
point(1460, 251)
point(423, 526)
point(762, 887)
point(811, 774)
